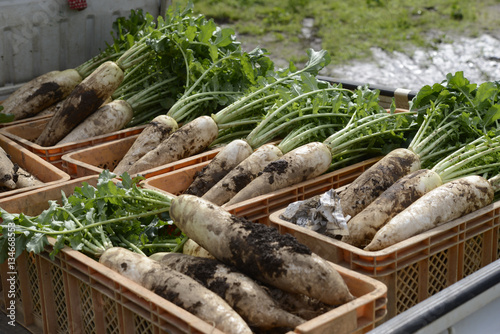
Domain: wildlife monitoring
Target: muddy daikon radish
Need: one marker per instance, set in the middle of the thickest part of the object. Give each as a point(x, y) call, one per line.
point(259, 251)
point(242, 293)
point(376, 179)
point(440, 205)
point(177, 288)
point(24, 179)
point(189, 139)
point(40, 93)
point(111, 117)
point(227, 159)
point(298, 165)
point(153, 134)
point(83, 100)
point(243, 174)
point(406, 190)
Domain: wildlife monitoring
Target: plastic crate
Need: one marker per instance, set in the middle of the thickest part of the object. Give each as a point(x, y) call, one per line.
point(75, 294)
point(25, 120)
point(420, 266)
point(33, 164)
point(93, 160)
point(261, 207)
point(26, 133)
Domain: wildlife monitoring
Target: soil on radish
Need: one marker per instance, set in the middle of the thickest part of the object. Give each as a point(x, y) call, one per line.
point(6, 178)
point(89, 101)
point(265, 242)
point(403, 200)
point(45, 89)
point(203, 185)
point(165, 131)
point(240, 181)
point(206, 273)
point(110, 166)
point(278, 167)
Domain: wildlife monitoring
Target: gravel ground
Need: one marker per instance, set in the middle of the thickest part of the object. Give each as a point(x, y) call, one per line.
point(477, 57)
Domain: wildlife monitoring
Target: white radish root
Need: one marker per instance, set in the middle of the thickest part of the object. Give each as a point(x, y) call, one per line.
point(259, 251)
point(440, 205)
point(227, 159)
point(298, 165)
point(53, 109)
point(83, 100)
point(191, 138)
point(7, 170)
point(396, 198)
point(40, 93)
point(111, 117)
point(153, 134)
point(242, 293)
point(24, 179)
point(376, 179)
point(241, 175)
point(177, 288)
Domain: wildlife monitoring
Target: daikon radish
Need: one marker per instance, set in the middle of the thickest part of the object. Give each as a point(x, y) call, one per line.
point(243, 174)
point(259, 251)
point(298, 165)
point(24, 179)
point(153, 134)
point(242, 293)
point(189, 139)
point(40, 93)
point(111, 117)
point(376, 179)
point(85, 99)
point(363, 226)
point(227, 159)
point(177, 288)
point(479, 157)
point(440, 205)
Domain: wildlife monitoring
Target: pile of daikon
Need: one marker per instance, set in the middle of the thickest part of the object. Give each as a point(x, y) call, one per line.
point(450, 167)
point(256, 279)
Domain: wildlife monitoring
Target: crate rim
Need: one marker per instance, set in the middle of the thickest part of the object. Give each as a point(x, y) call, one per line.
point(417, 243)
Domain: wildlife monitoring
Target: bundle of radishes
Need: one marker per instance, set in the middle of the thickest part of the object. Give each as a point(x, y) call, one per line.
point(255, 280)
point(449, 169)
point(320, 127)
point(156, 63)
point(235, 290)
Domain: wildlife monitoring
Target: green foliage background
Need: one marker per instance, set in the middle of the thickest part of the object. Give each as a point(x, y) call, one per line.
point(348, 29)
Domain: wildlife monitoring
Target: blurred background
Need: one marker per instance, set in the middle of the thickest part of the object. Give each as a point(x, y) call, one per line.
point(393, 43)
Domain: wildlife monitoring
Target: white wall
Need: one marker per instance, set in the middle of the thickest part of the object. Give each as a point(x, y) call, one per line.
point(37, 36)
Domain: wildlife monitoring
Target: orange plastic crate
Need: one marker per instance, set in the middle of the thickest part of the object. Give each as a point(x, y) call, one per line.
point(36, 166)
point(75, 294)
point(93, 160)
point(413, 270)
point(418, 267)
point(25, 120)
point(26, 133)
